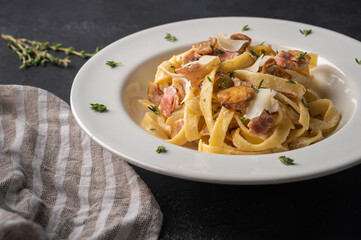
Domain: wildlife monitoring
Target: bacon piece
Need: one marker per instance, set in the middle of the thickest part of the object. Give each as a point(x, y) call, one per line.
point(261, 125)
point(289, 59)
point(177, 127)
point(193, 72)
point(169, 101)
point(154, 93)
point(271, 67)
point(226, 55)
point(190, 56)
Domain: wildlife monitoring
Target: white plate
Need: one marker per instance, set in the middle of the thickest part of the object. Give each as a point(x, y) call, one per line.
point(119, 88)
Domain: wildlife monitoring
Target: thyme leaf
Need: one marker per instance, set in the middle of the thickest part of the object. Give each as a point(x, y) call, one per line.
point(305, 32)
point(98, 107)
point(286, 160)
point(170, 37)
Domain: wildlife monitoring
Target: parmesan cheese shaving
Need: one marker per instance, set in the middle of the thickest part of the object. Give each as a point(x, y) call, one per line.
point(264, 99)
point(228, 44)
point(259, 63)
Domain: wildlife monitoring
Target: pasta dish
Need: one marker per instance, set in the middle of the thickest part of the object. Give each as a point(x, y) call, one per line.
point(227, 96)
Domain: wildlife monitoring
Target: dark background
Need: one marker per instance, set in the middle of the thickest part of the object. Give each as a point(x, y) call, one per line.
point(323, 208)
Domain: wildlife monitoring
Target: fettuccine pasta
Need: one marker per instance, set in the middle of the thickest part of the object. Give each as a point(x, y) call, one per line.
point(226, 96)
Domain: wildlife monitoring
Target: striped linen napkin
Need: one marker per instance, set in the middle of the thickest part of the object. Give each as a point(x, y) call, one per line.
point(57, 183)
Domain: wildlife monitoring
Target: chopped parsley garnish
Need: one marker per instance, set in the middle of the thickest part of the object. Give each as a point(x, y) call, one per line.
point(253, 53)
point(170, 37)
point(112, 64)
point(290, 81)
point(231, 73)
point(214, 111)
point(301, 56)
point(245, 28)
point(98, 107)
point(358, 61)
point(161, 149)
point(172, 66)
point(152, 129)
point(224, 83)
point(304, 102)
point(259, 86)
point(261, 43)
point(209, 79)
point(154, 109)
point(243, 119)
point(218, 50)
point(286, 160)
point(305, 32)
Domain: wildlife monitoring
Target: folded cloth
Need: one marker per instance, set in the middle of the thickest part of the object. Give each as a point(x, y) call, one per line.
point(57, 183)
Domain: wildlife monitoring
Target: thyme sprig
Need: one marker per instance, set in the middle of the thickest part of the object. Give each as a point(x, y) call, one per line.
point(305, 32)
point(34, 53)
point(170, 37)
point(286, 160)
point(245, 28)
point(98, 107)
point(113, 64)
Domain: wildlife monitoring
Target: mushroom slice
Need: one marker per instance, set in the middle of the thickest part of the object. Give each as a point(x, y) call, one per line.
point(235, 97)
point(271, 67)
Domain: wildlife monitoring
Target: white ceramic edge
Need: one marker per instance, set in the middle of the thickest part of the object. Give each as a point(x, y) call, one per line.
point(289, 175)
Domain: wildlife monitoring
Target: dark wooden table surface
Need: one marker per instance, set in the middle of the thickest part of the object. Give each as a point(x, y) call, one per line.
point(323, 208)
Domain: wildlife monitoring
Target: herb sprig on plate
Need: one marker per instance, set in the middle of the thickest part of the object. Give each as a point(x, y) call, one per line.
point(305, 32)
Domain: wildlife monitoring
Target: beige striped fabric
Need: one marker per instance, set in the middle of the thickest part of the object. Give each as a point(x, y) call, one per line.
point(57, 183)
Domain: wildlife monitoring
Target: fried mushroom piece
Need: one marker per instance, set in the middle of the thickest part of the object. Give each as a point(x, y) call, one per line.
point(235, 97)
point(271, 67)
point(239, 36)
point(204, 47)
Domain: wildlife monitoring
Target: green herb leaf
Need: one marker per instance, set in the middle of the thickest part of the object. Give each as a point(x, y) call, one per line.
point(218, 50)
point(170, 37)
point(161, 149)
point(224, 83)
point(56, 46)
point(304, 102)
point(231, 73)
point(209, 79)
point(305, 32)
point(154, 109)
point(69, 50)
point(245, 28)
point(259, 86)
point(290, 81)
point(358, 61)
point(112, 64)
point(261, 43)
point(302, 56)
point(286, 160)
point(214, 111)
point(253, 53)
point(243, 119)
point(152, 129)
point(98, 107)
